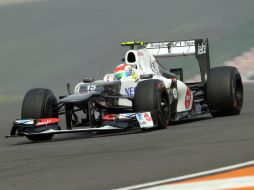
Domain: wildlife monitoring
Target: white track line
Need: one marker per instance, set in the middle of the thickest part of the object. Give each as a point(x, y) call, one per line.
point(231, 183)
point(185, 177)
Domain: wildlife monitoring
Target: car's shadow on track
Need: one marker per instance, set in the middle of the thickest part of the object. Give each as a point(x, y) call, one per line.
point(137, 131)
point(190, 120)
point(82, 135)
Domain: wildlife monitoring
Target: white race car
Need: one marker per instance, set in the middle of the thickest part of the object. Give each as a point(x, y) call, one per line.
point(139, 94)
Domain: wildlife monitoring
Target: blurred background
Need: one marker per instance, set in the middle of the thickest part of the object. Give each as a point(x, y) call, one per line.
point(47, 43)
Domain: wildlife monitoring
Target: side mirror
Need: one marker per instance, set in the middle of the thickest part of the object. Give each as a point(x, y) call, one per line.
point(178, 72)
point(68, 86)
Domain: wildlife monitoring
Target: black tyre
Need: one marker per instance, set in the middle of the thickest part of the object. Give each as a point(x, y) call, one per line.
point(152, 96)
point(39, 103)
point(224, 91)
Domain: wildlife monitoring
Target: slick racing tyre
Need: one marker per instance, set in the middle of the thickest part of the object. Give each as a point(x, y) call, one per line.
point(151, 96)
point(39, 103)
point(224, 91)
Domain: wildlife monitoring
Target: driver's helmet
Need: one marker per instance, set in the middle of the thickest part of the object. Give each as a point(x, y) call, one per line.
point(123, 70)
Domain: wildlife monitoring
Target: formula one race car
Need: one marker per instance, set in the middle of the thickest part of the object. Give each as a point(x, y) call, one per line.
point(139, 94)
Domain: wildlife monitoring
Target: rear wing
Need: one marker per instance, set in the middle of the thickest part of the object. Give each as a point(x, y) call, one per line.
point(172, 48)
point(197, 47)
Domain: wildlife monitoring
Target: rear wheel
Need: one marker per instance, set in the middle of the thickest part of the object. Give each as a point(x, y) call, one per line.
point(224, 91)
point(151, 96)
point(39, 103)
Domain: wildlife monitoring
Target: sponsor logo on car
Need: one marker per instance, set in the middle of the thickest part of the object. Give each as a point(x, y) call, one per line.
point(126, 115)
point(47, 121)
point(130, 91)
point(145, 120)
point(147, 117)
point(139, 116)
point(175, 93)
point(140, 53)
point(25, 121)
point(187, 98)
point(170, 44)
point(201, 48)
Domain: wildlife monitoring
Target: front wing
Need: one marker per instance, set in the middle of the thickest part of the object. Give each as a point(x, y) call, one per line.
point(31, 127)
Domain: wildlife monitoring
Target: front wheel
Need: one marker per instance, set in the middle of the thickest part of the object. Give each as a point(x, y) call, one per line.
point(151, 96)
point(39, 103)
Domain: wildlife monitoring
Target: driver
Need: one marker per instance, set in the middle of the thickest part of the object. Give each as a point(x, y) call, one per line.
point(125, 71)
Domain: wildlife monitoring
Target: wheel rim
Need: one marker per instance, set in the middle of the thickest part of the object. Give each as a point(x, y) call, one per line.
point(50, 108)
point(238, 98)
point(164, 106)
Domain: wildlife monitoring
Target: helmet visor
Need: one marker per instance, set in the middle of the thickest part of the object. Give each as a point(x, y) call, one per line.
point(122, 74)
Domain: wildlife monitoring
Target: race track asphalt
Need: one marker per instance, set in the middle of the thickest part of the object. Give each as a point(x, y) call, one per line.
point(48, 43)
point(83, 161)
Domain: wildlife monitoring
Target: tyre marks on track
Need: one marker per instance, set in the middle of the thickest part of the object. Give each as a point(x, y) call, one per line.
point(244, 63)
